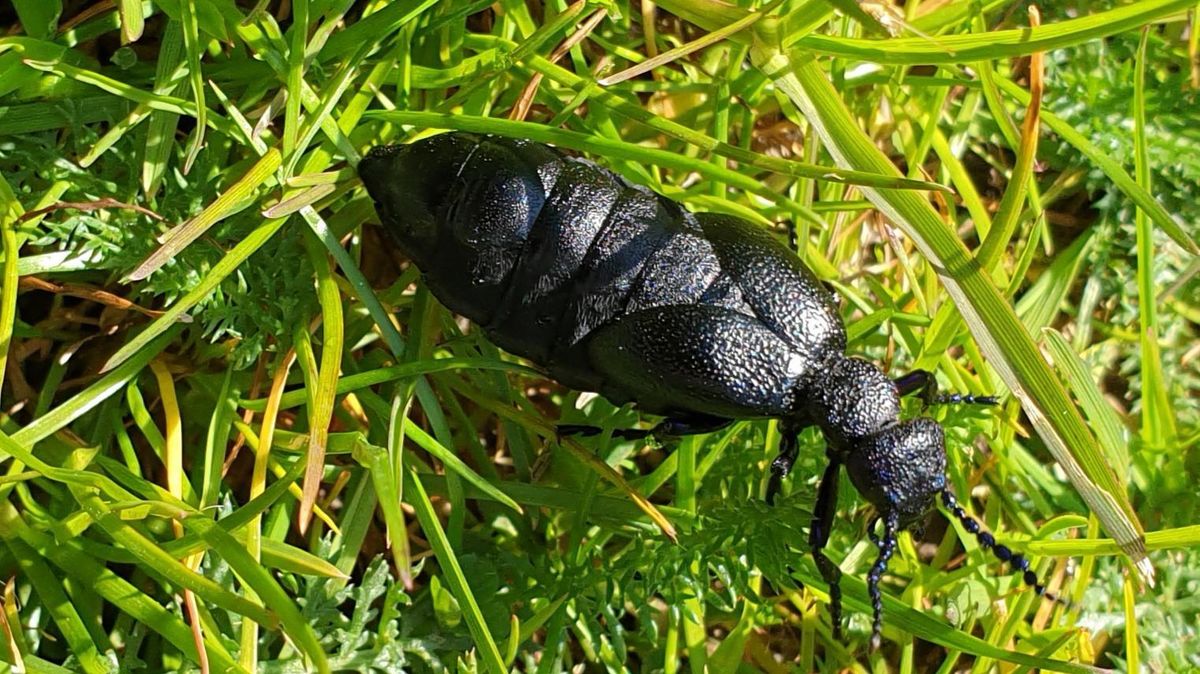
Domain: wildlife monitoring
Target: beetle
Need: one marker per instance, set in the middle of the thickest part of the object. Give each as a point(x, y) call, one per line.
point(701, 318)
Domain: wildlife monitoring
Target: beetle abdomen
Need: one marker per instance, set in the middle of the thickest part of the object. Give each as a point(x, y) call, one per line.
point(542, 287)
point(546, 252)
point(461, 208)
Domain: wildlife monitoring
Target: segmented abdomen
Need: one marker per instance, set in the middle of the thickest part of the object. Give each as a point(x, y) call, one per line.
point(599, 248)
point(542, 250)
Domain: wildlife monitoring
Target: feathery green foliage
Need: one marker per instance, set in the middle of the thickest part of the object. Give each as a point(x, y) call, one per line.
point(177, 193)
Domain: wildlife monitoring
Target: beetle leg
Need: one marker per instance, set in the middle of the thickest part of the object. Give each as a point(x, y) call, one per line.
point(963, 399)
point(583, 430)
point(671, 427)
point(915, 381)
point(818, 537)
point(675, 427)
point(782, 465)
point(887, 545)
point(924, 384)
point(588, 431)
point(793, 241)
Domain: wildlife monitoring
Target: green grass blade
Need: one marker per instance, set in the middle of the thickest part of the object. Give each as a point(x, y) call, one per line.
point(291, 559)
point(1109, 431)
point(133, 20)
point(127, 598)
point(1041, 302)
point(1179, 538)
point(332, 339)
point(1006, 220)
point(354, 275)
point(160, 131)
point(153, 559)
point(995, 44)
point(452, 573)
point(50, 591)
point(112, 382)
point(211, 280)
point(451, 461)
point(39, 18)
point(384, 375)
point(192, 49)
point(1158, 420)
point(10, 211)
point(234, 200)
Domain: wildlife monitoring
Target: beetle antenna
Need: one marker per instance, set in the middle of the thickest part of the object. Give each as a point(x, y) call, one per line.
point(1002, 552)
point(887, 545)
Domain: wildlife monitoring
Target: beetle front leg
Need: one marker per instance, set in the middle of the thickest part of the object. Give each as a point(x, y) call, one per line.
point(924, 384)
point(818, 537)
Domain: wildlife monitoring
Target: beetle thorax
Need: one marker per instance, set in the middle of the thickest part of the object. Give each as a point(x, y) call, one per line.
point(850, 400)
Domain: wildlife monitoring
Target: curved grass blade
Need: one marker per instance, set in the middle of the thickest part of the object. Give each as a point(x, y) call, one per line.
point(996, 44)
point(451, 461)
point(452, 572)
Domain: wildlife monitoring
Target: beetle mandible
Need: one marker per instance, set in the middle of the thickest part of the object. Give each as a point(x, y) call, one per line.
point(701, 318)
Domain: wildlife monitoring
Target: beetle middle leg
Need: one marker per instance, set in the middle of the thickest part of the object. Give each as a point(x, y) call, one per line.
point(671, 427)
point(818, 537)
point(924, 384)
point(782, 465)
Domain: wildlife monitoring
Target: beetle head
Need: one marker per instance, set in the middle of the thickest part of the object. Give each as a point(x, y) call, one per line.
point(898, 466)
point(901, 469)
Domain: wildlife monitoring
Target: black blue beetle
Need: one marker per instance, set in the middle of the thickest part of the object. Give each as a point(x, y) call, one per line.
point(701, 318)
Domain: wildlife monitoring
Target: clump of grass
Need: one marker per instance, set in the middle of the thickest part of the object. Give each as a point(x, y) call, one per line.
point(170, 380)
